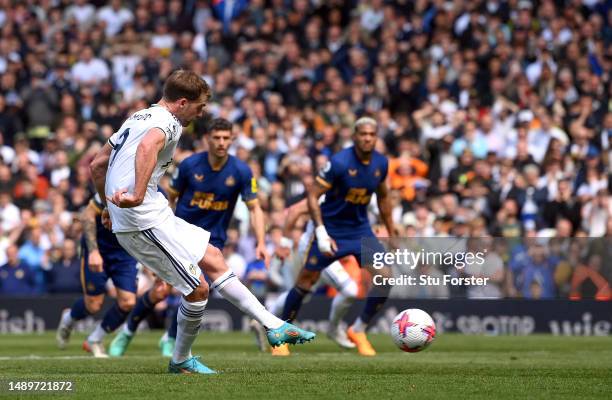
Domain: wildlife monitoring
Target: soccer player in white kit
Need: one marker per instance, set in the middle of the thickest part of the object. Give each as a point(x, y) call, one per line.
point(126, 172)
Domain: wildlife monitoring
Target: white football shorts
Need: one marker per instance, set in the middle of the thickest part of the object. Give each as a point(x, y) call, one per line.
point(171, 250)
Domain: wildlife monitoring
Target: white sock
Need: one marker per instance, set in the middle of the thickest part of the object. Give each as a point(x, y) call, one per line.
point(127, 330)
point(67, 319)
point(97, 335)
point(188, 319)
point(359, 326)
point(342, 303)
point(279, 304)
point(339, 307)
point(230, 287)
point(164, 338)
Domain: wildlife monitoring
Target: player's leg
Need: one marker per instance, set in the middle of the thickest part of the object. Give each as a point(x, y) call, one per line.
point(336, 276)
point(279, 303)
point(122, 269)
point(377, 296)
point(230, 287)
point(93, 285)
point(143, 308)
point(165, 252)
point(303, 248)
point(82, 307)
point(146, 304)
point(303, 285)
point(113, 318)
point(313, 263)
point(278, 306)
point(189, 319)
point(167, 341)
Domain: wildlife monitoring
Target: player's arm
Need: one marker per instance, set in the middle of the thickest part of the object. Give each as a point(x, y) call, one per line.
point(88, 219)
point(294, 213)
point(177, 184)
point(314, 193)
point(98, 168)
point(384, 206)
point(146, 159)
point(248, 193)
point(325, 243)
point(257, 219)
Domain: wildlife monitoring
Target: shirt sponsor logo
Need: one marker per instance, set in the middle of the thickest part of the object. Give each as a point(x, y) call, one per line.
point(140, 117)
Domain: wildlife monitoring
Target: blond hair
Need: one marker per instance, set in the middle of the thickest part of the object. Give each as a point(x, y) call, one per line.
point(185, 84)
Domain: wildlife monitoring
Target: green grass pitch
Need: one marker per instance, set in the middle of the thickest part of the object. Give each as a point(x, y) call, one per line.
point(454, 367)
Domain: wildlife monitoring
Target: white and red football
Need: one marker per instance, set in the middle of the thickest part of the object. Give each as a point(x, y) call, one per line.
point(413, 330)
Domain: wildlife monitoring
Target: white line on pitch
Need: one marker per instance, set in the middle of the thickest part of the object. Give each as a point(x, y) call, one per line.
point(35, 357)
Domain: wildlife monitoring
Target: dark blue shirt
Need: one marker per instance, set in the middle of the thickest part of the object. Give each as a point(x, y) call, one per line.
point(541, 274)
point(64, 277)
point(351, 183)
point(17, 280)
point(207, 197)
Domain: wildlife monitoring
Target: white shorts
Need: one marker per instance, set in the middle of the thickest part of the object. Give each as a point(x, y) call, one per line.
point(171, 250)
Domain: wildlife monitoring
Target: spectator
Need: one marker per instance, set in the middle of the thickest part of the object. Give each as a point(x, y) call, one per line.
point(60, 170)
point(492, 268)
point(162, 39)
point(16, 278)
point(564, 206)
point(114, 17)
point(89, 71)
point(234, 260)
point(33, 255)
point(255, 277)
point(529, 196)
point(10, 216)
point(82, 12)
point(64, 276)
point(596, 213)
point(406, 173)
point(537, 272)
point(40, 103)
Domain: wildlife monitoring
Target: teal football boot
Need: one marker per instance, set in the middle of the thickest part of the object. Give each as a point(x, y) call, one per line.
point(190, 366)
point(166, 346)
point(288, 333)
point(119, 344)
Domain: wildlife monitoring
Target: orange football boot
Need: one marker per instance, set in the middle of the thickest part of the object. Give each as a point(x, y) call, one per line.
point(361, 341)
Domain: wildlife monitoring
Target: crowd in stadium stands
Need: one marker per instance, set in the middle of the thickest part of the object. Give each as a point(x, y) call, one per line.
point(496, 116)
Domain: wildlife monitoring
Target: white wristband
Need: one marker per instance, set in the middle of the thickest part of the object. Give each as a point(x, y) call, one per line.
point(286, 242)
point(323, 239)
point(321, 233)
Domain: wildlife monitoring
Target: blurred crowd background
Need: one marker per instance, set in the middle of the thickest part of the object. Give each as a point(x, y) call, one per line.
point(496, 116)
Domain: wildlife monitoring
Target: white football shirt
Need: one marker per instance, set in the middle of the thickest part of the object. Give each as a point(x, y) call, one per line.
point(154, 210)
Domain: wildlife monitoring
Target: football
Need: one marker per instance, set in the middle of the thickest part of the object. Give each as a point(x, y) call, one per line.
point(413, 330)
